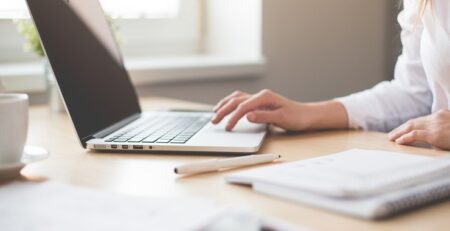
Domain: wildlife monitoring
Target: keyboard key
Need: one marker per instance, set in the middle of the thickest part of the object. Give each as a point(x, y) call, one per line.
point(120, 140)
point(134, 140)
point(150, 140)
point(179, 140)
point(162, 141)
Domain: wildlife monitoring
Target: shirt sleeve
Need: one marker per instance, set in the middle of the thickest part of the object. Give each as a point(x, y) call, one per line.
point(391, 103)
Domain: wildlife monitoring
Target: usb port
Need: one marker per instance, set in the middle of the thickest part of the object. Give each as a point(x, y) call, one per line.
point(124, 146)
point(139, 147)
point(113, 146)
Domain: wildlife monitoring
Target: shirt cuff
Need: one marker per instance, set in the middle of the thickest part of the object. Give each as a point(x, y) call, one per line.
point(353, 108)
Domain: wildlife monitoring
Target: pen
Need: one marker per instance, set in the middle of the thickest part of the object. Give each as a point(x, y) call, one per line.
point(217, 164)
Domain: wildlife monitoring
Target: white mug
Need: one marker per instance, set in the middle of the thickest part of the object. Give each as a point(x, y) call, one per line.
point(13, 127)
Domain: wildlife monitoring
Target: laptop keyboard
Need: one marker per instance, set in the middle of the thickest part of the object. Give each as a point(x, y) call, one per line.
point(172, 129)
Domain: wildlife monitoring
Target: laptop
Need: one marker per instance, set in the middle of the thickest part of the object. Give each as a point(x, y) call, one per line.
point(101, 100)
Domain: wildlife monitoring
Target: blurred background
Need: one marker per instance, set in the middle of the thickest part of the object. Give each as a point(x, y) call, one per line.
point(201, 50)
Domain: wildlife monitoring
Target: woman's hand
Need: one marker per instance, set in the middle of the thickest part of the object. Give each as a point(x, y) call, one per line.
point(263, 107)
point(433, 129)
point(271, 108)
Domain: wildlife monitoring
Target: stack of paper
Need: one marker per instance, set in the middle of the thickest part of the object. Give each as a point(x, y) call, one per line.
point(363, 183)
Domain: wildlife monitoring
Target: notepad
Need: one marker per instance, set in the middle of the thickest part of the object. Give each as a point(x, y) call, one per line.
point(364, 183)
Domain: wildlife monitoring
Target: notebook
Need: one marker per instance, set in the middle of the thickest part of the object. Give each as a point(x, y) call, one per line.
point(369, 184)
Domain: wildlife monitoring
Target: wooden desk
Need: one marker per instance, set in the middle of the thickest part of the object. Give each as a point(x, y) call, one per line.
point(152, 174)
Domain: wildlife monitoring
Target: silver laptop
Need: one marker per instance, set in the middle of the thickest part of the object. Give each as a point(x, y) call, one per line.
point(101, 100)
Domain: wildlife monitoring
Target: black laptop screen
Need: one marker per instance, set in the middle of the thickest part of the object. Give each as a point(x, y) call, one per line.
point(94, 84)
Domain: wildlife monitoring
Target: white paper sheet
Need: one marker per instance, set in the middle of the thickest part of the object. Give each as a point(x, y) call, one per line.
point(330, 175)
point(54, 206)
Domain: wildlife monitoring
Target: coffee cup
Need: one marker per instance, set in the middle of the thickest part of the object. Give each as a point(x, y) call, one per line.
point(13, 127)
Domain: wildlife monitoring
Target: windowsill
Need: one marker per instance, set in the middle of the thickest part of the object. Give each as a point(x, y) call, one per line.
point(28, 77)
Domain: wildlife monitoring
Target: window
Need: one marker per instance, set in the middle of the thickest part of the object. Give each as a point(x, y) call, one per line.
point(12, 9)
point(170, 28)
point(161, 41)
point(141, 8)
point(116, 8)
point(147, 27)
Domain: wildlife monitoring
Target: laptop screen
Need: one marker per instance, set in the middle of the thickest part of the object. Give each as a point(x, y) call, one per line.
point(86, 62)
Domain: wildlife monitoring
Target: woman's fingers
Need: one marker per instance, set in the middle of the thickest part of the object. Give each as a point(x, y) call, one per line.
point(228, 98)
point(432, 129)
point(414, 135)
point(227, 108)
point(264, 116)
point(399, 131)
point(407, 127)
point(264, 98)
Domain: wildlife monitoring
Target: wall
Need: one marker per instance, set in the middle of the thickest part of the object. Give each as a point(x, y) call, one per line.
point(315, 50)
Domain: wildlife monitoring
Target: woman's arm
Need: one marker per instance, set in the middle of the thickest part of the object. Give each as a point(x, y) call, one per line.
point(382, 108)
point(327, 115)
point(408, 96)
point(269, 107)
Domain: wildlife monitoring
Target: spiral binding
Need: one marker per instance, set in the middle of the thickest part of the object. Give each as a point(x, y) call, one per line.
point(439, 191)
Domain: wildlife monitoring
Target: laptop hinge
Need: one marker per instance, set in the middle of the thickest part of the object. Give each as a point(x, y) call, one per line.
point(110, 129)
point(84, 140)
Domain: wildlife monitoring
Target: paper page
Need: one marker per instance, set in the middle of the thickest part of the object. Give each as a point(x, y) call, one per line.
point(237, 219)
point(329, 174)
point(53, 206)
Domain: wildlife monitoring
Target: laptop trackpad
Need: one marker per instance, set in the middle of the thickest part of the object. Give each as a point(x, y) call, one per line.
point(245, 134)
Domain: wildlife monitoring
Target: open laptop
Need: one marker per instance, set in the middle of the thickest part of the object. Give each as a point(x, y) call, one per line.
point(101, 100)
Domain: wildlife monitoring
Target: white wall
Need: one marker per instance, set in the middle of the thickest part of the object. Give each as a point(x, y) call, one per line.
point(315, 50)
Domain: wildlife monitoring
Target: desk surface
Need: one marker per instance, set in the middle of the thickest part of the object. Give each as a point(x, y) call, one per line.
point(152, 174)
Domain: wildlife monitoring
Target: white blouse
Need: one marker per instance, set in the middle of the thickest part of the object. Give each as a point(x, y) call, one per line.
point(421, 82)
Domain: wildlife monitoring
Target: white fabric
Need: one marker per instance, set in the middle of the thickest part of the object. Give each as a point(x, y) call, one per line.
point(421, 82)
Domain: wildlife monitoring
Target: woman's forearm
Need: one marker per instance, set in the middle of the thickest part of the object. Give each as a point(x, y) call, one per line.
point(326, 115)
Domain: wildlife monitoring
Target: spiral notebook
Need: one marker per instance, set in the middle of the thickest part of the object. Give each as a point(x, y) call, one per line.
point(364, 183)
